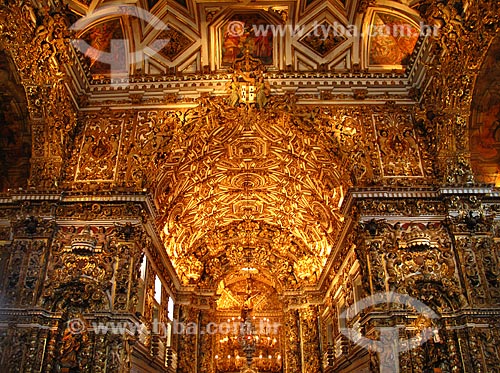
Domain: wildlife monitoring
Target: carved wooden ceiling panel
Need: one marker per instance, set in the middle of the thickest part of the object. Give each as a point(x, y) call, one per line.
point(240, 187)
point(240, 289)
point(247, 183)
point(302, 35)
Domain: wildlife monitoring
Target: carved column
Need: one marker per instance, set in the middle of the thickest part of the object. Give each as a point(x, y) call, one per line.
point(309, 331)
point(187, 341)
point(206, 350)
point(292, 342)
point(463, 36)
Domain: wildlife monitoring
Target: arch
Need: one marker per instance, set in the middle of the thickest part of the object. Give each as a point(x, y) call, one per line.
point(484, 132)
point(15, 132)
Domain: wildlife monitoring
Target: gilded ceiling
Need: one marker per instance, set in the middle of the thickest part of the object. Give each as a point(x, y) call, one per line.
point(300, 170)
point(241, 185)
point(236, 184)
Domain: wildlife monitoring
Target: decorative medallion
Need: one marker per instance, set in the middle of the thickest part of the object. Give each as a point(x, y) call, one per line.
point(397, 144)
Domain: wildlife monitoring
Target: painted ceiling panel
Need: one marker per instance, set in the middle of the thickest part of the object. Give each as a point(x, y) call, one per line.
point(392, 40)
point(225, 31)
point(106, 48)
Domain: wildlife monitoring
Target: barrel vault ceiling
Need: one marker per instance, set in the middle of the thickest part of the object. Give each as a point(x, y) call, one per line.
point(242, 191)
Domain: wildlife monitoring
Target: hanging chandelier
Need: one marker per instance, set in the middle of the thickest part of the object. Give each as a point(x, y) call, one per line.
point(247, 339)
point(247, 329)
point(254, 346)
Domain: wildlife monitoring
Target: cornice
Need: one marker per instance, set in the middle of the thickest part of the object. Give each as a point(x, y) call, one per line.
point(309, 88)
point(353, 195)
point(315, 88)
point(72, 197)
point(356, 194)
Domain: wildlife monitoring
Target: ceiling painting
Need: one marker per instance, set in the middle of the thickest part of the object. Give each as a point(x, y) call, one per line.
point(104, 47)
point(303, 36)
point(392, 40)
point(324, 40)
point(242, 34)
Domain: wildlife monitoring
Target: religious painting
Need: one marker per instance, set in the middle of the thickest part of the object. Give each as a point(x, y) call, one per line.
point(392, 40)
point(105, 48)
point(248, 32)
point(99, 151)
point(323, 39)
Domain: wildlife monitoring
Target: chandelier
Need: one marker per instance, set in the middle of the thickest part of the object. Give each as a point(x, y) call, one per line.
point(247, 329)
point(254, 344)
point(248, 336)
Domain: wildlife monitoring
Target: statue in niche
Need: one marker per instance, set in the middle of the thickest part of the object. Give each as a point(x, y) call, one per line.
point(71, 343)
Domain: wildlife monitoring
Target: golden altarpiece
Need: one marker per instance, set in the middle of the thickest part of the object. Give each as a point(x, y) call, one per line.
point(167, 168)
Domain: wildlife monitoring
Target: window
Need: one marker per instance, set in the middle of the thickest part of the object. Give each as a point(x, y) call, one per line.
point(143, 268)
point(329, 333)
point(358, 293)
point(141, 287)
point(157, 290)
point(342, 317)
point(170, 309)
